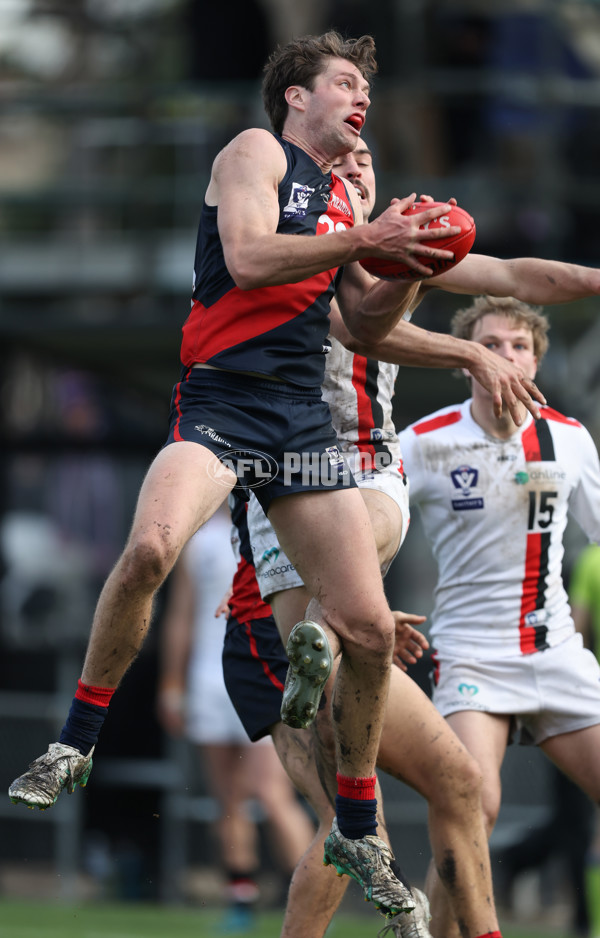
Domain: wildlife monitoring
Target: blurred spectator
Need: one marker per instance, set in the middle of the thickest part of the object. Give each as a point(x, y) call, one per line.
point(193, 700)
point(584, 594)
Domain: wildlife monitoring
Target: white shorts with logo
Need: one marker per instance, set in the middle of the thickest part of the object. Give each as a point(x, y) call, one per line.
point(274, 570)
point(549, 692)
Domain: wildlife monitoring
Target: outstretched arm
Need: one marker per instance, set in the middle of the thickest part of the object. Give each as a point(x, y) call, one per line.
point(408, 344)
point(529, 279)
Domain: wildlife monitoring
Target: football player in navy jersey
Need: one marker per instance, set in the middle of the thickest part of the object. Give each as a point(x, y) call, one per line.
point(248, 412)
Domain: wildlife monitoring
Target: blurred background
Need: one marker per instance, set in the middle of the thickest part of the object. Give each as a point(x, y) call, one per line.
point(111, 114)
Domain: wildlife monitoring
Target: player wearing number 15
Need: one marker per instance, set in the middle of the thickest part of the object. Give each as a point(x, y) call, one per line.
point(494, 500)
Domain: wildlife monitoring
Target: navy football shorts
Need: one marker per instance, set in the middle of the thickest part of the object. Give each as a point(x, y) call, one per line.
point(254, 667)
point(276, 437)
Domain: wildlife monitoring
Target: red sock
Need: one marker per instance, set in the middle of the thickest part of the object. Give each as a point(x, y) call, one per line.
point(100, 696)
point(360, 789)
point(491, 934)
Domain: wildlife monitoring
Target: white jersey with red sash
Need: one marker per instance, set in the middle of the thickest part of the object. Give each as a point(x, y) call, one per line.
point(494, 513)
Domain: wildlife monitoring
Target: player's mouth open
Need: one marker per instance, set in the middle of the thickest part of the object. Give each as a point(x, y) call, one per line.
point(356, 121)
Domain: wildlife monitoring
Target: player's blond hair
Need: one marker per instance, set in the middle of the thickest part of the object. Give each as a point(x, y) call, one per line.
point(464, 320)
point(300, 61)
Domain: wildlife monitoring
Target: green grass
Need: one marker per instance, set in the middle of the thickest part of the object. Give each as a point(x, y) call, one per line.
point(29, 919)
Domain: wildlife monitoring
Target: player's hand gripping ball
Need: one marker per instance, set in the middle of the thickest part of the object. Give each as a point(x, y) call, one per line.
point(460, 244)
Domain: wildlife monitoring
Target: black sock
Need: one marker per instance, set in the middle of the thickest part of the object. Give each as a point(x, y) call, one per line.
point(83, 725)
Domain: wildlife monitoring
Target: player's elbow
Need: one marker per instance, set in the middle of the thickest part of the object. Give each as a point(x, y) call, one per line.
point(243, 268)
point(350, 342)
point(244, 276)
point(366, 333)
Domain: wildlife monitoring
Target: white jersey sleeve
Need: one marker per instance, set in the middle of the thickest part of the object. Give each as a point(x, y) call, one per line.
point(494, 513)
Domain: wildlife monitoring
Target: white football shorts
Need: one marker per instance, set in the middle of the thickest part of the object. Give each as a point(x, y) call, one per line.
point(211, 717)
point(274, 570)
point(549, 692)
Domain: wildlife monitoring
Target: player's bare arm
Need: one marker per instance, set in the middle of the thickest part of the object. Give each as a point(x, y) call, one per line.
point(530, 279)
point(244, 186)
point(408, 344)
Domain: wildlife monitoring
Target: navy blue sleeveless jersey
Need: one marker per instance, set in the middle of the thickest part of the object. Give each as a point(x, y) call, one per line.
point(278, 331)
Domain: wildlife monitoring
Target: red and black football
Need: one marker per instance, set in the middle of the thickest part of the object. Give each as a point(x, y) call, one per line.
point(460, 244)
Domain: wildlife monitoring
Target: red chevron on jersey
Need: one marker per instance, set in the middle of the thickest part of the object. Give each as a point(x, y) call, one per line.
point(444, 420)
point(232, 320)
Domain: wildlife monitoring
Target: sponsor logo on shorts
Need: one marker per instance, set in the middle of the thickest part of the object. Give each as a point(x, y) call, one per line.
point(468, 690)
point(278, 571)
point(271, 554)
point(298, 201)
point(212, 434)
point(521, 478)
point(465, 479)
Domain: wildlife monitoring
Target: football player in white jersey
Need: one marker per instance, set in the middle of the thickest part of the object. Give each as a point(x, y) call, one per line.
point(494, 499)
point(359, 393)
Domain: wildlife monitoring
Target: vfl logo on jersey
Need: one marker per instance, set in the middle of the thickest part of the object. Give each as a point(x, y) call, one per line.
point(376, 434)
point(298, 201)
point(465, 479)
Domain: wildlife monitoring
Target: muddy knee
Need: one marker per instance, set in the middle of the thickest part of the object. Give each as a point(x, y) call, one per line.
point(146, 563)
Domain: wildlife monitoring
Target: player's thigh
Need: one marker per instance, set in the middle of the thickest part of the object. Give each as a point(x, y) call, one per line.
point(578, 755)
point(328, 537)
point(386, 521)
point(485, 736)
point(182, 489)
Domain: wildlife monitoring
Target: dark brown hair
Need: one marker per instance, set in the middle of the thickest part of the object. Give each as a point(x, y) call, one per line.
point(300, 61)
